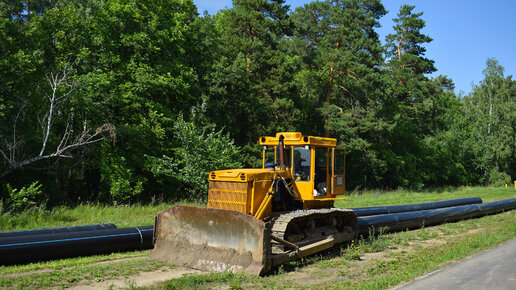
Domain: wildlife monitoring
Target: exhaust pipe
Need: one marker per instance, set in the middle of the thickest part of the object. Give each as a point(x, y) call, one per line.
point(281, 146)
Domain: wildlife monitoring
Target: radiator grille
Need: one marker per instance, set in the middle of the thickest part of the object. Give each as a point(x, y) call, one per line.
point(228, 195)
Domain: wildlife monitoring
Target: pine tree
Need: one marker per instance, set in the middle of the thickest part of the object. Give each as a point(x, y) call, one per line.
point(254, 76)
point(405, 46)
point(342, 77)
point(413, 99)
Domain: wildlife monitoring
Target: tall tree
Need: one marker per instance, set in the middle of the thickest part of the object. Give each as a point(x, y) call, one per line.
point(412, 98)
point(491, 112)
point(130, 68)
point(342, 77)
point(262, 100)
point(24, 9)
point(405, 45)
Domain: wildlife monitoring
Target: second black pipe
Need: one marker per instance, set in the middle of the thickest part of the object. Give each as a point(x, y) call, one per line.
point(366, 211)
point(415, 219)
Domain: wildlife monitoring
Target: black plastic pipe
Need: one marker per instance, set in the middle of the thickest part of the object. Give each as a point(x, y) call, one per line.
point(416, 219)
point(37, 247)
point(22, 249)
point(367, 211)
point(96, 227)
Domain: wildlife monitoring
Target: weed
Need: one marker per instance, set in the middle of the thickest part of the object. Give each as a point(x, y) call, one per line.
point(351, 252)
point(402, 239)
point(332, 263)
point(130, 284)
point(376, 242)
point(342, 272)
point(427, 234)
point(281, 269)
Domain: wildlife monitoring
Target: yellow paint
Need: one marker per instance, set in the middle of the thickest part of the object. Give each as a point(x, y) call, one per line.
point(337, 198)
point(250, 191)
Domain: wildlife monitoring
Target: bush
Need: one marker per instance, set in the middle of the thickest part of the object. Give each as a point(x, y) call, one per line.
point(124, 185)
point(497, 178)
point(202, 150)
point(25, 197)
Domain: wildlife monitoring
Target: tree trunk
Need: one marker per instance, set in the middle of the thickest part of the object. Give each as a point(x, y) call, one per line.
point(328, 93)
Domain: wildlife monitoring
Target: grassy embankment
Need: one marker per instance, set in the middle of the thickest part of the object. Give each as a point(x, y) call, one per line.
point(375, 263)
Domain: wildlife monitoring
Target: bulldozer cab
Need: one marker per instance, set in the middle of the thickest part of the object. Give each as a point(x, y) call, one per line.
point(315, 164)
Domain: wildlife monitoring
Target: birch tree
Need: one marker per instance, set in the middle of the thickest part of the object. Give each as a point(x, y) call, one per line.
point(491, 112)
point(60, 87)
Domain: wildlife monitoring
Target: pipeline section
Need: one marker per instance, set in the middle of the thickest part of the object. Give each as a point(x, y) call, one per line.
point(45, 244)
point(416, 219)
point(97, 227)
point(367, 211)
point(28, 248)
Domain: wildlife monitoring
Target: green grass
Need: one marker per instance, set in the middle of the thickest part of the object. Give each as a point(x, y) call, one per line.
point(69, 274)
point(385, 260)
point(406, 266)
point(379, 262)
point(121, 216)
point(63, 263)
point(378, 198)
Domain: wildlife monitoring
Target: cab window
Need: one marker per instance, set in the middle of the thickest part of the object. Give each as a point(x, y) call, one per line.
point(269, 155)
point(320, 157)
point(302, 158)
point(339, 162)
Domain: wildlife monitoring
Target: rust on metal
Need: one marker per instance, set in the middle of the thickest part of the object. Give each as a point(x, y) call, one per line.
point(212, 239)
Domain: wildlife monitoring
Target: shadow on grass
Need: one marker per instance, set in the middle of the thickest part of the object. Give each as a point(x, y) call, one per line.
point(293, 266)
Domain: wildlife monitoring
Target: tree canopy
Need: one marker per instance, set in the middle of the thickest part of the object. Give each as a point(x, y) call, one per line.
point(124, 100)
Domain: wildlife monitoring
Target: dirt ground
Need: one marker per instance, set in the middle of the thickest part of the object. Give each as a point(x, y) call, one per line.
point(305, 275)
point(138, 280)
point(325, 270)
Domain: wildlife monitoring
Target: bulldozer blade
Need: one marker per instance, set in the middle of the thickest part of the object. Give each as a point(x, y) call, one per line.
point(212, 239)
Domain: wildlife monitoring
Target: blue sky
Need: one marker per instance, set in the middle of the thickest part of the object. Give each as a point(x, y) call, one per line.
point(465, 33)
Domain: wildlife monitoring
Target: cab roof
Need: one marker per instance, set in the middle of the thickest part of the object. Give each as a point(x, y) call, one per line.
point(297, 138)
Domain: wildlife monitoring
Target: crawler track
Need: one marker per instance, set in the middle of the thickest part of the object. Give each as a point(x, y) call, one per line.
point(304, 227)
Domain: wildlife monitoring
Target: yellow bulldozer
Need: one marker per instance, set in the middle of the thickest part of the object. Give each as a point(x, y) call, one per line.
point(260, 218)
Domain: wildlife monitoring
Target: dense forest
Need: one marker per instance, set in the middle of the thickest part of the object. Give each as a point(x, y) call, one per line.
point(134, 100)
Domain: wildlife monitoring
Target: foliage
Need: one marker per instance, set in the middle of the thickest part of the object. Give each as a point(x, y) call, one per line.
point(491, 116)
point(25, 197)
point(136, 69)
point(123, 185)
point(202, 149)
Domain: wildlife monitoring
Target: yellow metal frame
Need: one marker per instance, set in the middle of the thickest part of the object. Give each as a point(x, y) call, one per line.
point(250, 191)
point(297, 139)
point(306, 188)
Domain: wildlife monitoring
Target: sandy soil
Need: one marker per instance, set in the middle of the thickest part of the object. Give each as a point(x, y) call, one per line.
point(138, 280)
